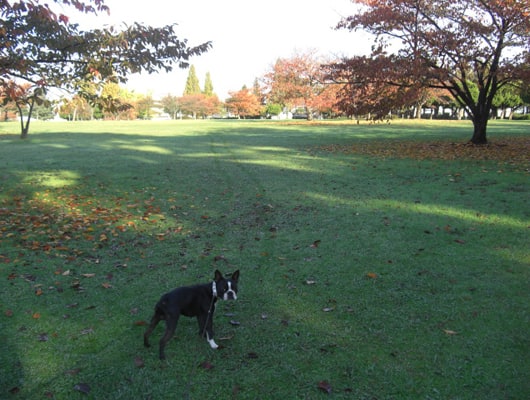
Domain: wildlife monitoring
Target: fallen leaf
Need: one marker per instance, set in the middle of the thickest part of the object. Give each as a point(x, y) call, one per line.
point(234, 323)
point(29, 277)
point(139, 362)
point(140, 323)
point(83, 388)
point(450, 332)
point(73, 371)
point(36, 315)
point(14, 390)
point(43, 337)
point(328, 309)
point(315, 244)
point(88, 275)
point(106, 285)
point(9, 313)
point(207, 365)
point(325, 387)
point(372, 275)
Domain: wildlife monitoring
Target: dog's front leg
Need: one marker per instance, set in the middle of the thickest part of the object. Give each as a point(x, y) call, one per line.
point(206, 329)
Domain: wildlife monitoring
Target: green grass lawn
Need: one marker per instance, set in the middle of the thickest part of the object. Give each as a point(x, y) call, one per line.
point(366, 274)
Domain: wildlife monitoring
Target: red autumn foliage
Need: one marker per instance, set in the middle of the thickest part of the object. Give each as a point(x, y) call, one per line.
point(244, 103)
point(299, 82)
point(470, 48)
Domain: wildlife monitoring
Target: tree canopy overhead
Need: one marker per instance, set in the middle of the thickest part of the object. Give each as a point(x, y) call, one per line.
point(41, 48)
point(472, 48)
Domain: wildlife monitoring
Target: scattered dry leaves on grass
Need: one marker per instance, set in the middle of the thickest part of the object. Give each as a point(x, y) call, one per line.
point(513, 151)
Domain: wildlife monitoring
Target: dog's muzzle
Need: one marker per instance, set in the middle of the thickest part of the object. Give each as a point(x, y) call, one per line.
point(230, 295)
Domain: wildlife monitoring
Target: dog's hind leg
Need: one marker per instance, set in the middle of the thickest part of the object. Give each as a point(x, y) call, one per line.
point(154, 322)
point(171, 325)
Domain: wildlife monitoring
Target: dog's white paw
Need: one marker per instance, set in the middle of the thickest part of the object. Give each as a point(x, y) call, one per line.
point(212, 343)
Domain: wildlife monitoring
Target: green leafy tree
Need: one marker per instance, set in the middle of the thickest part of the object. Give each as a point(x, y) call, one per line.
point(42, 48)
point(208, 85)
point(442, 44)
point(274, 109)
point(76, 108)
point(507, 99)
point(525, 94)
point(117, 103)
point(171, 105)
point(144, 107)
point(192, 83)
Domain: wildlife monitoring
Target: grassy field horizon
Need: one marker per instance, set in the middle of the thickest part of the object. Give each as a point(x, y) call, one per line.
point(377, 261)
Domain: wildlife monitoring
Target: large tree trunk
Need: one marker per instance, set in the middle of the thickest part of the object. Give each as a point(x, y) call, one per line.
point(480, 122)
point(24, 133)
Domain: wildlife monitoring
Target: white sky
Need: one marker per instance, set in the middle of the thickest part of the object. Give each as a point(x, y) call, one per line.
point(248, 36)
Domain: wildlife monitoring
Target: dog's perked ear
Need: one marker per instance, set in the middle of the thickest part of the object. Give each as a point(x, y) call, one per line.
point(218, 276)
point(235, 276)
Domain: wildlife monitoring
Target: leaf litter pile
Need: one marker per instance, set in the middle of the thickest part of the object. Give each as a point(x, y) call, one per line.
point(49, 221)
point(514, 151)
point(73, 228)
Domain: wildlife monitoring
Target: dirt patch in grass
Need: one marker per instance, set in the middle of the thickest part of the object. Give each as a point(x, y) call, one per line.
point(513, 151)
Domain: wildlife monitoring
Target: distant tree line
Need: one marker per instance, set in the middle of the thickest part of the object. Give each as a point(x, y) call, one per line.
point(436, 59)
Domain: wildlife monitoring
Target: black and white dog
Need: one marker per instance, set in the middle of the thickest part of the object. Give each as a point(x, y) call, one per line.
point(192, 301)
